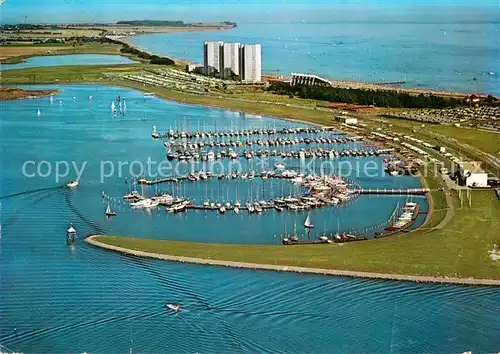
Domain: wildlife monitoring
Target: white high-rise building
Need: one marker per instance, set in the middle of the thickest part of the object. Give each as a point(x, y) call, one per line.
point(212, 58)
point(230, 60)
point(250, 63)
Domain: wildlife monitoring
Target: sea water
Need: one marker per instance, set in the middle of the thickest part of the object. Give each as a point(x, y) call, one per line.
point(447, 54)
point(57, 298)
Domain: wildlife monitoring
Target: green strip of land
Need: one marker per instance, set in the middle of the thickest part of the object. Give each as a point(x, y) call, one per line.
point(459, 250)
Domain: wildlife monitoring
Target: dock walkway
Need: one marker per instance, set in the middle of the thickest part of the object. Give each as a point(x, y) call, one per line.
point(393, 191)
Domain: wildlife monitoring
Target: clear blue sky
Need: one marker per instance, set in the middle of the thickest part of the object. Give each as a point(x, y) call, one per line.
point(72, 11)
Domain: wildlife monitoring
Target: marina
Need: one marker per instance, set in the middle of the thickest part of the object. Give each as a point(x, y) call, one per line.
point(85, 283)
point(308, 184)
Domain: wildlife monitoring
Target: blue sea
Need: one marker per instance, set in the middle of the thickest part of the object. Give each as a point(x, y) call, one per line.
point(56, 298)
point(74, 59)
point(452, 54)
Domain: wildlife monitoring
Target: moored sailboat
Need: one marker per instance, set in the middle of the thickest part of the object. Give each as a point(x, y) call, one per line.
point(109, 212)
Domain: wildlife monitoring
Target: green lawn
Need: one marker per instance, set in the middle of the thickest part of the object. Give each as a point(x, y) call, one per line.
point(461, 249)
point(64, 74)
point(69, 49)
point(485, 141)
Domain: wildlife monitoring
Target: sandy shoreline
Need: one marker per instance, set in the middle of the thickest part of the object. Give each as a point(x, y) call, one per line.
point(332, 272)
point(9, 93)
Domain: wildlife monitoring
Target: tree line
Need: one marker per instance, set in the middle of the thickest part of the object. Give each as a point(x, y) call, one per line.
point(379, 98)
point(153, 59)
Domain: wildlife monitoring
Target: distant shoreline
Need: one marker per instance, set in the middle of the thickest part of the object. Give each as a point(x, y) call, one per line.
point(8, 94)
point(334, 82)
point(283, 268)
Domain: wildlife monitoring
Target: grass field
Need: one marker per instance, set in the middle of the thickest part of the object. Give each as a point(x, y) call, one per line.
point(63, 74)
point(16, 53)
point(485, 141)
point(25, 51)
point(460, 250)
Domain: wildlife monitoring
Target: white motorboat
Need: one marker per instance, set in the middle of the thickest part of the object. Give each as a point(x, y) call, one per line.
point(280, 166)
point(145, 204)
point(164, 199)
point(133, 195)
point(175, 307)
point(72, 184)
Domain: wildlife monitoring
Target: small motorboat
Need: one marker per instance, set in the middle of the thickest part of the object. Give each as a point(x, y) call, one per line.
point(133, 195)
point(109, 212)
point(72, 184)
point(175, 307)
point(280, 166)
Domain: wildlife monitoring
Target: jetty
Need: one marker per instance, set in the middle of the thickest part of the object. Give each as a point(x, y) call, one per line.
point(285, 268)
point(392, 191)
point(183, 134)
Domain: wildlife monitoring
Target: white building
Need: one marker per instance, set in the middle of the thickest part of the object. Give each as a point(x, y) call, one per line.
point(309, 80)
point(250, 63)
point(230, 60)
point(212, 58)
point(472, 175)
point(346, 119)
point(194, 68)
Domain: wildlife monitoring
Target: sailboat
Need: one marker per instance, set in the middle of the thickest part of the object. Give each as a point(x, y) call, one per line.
point(51, 99)
point(38, 113)
point(307, 223)
point(109, 212)
point(113, 107)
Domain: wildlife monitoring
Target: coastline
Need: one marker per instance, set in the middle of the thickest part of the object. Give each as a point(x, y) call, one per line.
point(335, 82)
point(91, 240)
point(10, 94)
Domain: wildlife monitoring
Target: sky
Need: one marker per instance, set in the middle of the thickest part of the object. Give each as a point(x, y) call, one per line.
point(85, 11)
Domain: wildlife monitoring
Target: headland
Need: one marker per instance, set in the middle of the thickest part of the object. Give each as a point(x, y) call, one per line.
point(19, 94)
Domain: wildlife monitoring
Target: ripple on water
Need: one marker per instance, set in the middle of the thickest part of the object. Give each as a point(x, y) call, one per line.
point(86, 299)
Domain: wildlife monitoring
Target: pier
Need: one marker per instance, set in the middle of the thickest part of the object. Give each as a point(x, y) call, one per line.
point(290, 154)
point(182, 134)
point(387, 191)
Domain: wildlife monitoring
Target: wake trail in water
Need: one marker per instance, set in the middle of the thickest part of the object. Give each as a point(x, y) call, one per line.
point(94, 226)
point(30, 192)
point(18, 213)
point(272, 313)
point(168, 281)
point(43, 331)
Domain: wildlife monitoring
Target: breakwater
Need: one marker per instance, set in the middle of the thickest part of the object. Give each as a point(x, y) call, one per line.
point(283, 268)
